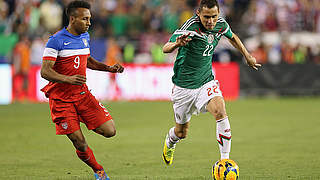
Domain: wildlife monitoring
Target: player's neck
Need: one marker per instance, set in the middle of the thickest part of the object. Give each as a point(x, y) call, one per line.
point(72, 31)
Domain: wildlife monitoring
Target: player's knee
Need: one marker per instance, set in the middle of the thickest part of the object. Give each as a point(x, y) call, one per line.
point(106, 132)
point(220, 114)
point(109, 133)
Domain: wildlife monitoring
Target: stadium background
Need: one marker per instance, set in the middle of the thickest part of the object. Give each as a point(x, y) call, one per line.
point(272, 108)
point(278, 33)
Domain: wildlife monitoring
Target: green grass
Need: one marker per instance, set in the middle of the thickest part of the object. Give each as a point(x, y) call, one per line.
point(273, 139)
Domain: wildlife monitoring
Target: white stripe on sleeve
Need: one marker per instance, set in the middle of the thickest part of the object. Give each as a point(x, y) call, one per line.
point(50, 52)
point(74, 52)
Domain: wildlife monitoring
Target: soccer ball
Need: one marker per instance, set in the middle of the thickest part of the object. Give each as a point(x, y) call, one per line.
point(225, 169)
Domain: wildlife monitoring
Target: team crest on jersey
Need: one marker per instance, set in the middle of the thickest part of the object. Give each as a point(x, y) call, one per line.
point(85, 42)
point(64, 125)
point(210, 38)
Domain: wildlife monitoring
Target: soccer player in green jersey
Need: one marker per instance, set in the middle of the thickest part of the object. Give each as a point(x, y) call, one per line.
point(195, 89)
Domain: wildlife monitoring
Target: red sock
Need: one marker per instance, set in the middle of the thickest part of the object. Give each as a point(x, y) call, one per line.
point(89, 159)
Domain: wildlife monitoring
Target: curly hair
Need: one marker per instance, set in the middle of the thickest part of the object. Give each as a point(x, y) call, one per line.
point(72, 7)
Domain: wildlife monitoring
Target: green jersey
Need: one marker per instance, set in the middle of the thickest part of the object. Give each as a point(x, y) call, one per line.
point(193, 65)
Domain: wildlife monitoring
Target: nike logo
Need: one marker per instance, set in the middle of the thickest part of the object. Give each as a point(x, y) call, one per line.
point(66, 43)
point(165, 160)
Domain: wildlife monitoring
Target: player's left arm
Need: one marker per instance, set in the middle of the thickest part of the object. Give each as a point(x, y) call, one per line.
point(96, 65)
point(251, 61)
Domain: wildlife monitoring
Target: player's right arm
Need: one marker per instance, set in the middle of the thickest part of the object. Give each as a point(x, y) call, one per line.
point(180, 41)
point(48, 73)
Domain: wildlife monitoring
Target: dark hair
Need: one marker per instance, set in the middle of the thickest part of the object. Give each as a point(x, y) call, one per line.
point(72, 7)
point(208, 4)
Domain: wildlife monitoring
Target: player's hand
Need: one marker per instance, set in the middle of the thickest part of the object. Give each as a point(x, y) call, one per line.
point(183, 40)
point(252, 62)
point(76, 79)
point(117, 68)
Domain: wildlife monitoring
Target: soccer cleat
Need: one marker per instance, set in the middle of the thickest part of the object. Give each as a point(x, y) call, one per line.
point(167, 154)
point(101, 175)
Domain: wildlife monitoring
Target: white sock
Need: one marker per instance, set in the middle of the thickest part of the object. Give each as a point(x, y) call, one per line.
point(223, 133)
point(172, 138)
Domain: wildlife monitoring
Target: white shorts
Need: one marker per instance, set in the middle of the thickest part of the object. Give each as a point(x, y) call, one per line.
point(193, 101)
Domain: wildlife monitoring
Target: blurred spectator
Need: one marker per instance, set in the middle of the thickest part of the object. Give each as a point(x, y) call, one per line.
point(274, 54)
point(119, 21)
point(287, 52)
point(135, 22)
point(270, 23)
point(309, 55)
point(186, 12)
point(51, 15)
point(158, 56)
point(4, 11)
point(31, 16)
point(128, 53)
point(260, 54)
point(316, 53)
point(299, 54)
point(171, 18)
point(142, 26)
point(113, 54)
point(37, 48)
point(21, 67)
point(7, 43)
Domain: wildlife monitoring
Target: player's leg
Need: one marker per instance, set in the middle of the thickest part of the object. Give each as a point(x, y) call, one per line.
point(183, 107)
point(177, 133)
point(174, 135)
point(65, 116)
point(83, 150)
point(86, 154)
point(216, 107)
point(210, 99)
point(107, 129)
point(97, 118)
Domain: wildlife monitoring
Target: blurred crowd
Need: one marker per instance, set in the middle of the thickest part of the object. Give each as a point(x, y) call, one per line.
point(297, 27)
point(133, 31)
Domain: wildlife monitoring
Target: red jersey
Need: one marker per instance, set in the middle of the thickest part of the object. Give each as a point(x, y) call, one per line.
point(70, 54)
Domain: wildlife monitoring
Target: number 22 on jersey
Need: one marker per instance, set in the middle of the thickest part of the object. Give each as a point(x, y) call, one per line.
point(207, 51)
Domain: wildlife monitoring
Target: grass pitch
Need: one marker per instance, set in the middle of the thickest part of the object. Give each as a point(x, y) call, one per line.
point(272, 139)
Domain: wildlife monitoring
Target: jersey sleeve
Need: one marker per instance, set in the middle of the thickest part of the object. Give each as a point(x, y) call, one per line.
point(227, 32)
point(51, 50)
point(179, 32)
point(188, 27)
point(174, 36)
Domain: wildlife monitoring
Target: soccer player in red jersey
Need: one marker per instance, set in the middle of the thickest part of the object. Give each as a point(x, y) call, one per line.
point(65, 59)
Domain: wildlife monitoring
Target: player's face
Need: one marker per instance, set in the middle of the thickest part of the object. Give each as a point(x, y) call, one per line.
point(208, 17)
point(81, 22)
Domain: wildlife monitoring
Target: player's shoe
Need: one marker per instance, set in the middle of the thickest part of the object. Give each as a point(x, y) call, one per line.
point(167, 154)
point(101, 175)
